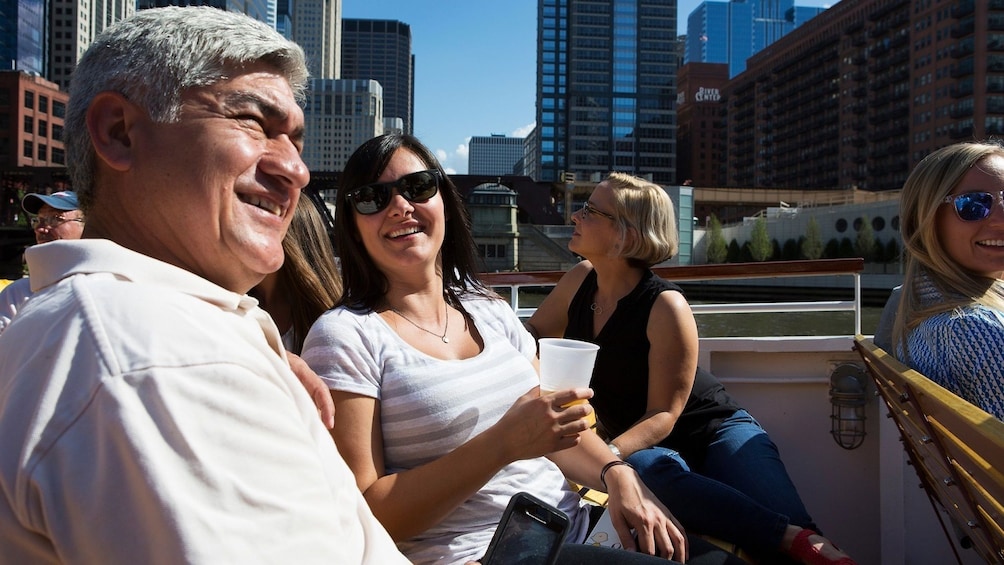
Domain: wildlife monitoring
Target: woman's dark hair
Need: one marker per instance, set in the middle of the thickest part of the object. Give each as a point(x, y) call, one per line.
point(364, 284)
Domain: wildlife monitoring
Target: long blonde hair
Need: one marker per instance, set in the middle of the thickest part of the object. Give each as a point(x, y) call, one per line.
point(934, 178)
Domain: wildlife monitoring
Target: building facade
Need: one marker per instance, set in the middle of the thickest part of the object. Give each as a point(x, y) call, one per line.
point(23, 38)
point(606, 88)
point(731, 32)
point(32, 111)
point(317, 27)
point(73, 25)
point(492, 207)
point(859, 95)
point(381, 50)
point(339, 116)
point(700, 142)
point(496, 154)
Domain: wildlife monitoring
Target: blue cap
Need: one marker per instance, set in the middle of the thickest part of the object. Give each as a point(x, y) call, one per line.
point(63, 200)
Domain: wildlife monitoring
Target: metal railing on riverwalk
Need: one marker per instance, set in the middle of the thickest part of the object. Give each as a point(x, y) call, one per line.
point(514, 281)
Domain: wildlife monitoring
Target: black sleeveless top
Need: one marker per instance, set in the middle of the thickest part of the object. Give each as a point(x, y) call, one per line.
point(620, 377)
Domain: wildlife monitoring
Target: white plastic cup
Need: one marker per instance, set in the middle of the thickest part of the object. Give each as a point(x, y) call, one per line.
point(566, 363)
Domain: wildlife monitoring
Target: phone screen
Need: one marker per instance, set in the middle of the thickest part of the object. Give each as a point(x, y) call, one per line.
point(531, 533)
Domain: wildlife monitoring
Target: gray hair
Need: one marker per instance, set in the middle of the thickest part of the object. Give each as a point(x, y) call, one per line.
point(153, 57)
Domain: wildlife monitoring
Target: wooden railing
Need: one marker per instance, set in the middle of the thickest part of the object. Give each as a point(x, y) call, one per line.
point(729, 271)
point(956, 448)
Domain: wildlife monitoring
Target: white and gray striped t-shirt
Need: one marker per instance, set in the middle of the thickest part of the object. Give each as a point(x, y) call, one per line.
point(429, 407)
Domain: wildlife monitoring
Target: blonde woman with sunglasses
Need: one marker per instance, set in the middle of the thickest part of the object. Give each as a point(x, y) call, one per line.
point(950, 322)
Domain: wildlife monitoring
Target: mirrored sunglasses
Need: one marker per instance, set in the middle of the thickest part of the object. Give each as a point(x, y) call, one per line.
point(415, 187)
point(974, 206)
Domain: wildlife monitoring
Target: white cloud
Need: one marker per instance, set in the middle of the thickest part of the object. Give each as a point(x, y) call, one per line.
point(525, 130)
point(462, 149)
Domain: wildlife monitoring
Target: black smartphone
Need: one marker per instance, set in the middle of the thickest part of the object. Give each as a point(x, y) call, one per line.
point(531, 533)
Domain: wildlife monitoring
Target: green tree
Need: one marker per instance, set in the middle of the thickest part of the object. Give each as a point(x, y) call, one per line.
point(812, 246)
point(760, 246)
point(718, 250)
point(864, 244)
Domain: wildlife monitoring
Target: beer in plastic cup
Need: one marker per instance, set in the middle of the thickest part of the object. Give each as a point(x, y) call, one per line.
point(566, 363)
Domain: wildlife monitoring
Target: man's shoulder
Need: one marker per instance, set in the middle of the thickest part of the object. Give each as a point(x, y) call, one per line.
point(134, 321)
point(15, 293)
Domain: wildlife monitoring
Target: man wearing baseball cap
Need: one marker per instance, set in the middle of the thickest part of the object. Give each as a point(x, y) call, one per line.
point(53, 216)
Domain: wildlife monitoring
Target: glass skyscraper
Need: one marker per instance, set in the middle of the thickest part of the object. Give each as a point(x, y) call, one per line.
point(22, 35)
point(606, 88)
point(381, 50)
point(731, 32)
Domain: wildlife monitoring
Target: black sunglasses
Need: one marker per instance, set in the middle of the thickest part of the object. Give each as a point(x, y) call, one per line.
point(416, 187)
point(974, 206)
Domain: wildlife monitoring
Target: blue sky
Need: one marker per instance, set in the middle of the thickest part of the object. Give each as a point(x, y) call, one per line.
point(474, 65)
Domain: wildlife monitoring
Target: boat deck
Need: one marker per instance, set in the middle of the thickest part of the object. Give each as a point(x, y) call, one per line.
point(867, 499)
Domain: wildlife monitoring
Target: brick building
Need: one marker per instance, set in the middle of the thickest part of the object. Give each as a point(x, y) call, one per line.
point(31, 121)
point(700, 138)
point(858, 95)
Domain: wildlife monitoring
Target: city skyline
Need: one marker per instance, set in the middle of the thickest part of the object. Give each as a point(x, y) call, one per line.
point(472, 79)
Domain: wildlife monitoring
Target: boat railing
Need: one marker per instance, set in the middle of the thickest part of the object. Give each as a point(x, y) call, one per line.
point(514, 281)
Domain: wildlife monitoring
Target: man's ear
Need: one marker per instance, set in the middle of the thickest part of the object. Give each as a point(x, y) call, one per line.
point(110, 119)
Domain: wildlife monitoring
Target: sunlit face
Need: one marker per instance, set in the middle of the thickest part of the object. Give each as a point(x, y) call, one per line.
point(56, 224)
point(979, 245)
point(218, 188)
point(596, 233)
point(404, 235)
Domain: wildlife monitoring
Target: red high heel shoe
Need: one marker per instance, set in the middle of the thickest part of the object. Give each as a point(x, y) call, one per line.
point(804, 551)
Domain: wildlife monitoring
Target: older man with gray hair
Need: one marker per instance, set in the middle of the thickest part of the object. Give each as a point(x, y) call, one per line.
point(149, 414)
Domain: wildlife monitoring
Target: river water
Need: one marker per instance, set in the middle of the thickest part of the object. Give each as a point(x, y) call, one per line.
point(761, 324)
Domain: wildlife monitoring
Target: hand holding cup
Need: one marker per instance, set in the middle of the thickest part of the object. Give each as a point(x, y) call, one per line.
point(566, 363)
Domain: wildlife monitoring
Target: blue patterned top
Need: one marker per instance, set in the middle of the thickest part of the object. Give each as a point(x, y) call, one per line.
point(961, 350)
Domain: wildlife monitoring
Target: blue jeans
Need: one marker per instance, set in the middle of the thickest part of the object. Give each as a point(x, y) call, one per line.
point(740, 492)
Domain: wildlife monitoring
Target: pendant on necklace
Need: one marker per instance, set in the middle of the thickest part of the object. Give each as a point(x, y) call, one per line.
point(446, 339)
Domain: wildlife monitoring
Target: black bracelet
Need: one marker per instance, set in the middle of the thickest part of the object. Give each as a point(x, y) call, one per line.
point(607, 467)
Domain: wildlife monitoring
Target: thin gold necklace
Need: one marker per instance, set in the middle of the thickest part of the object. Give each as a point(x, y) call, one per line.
point(446, 328)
